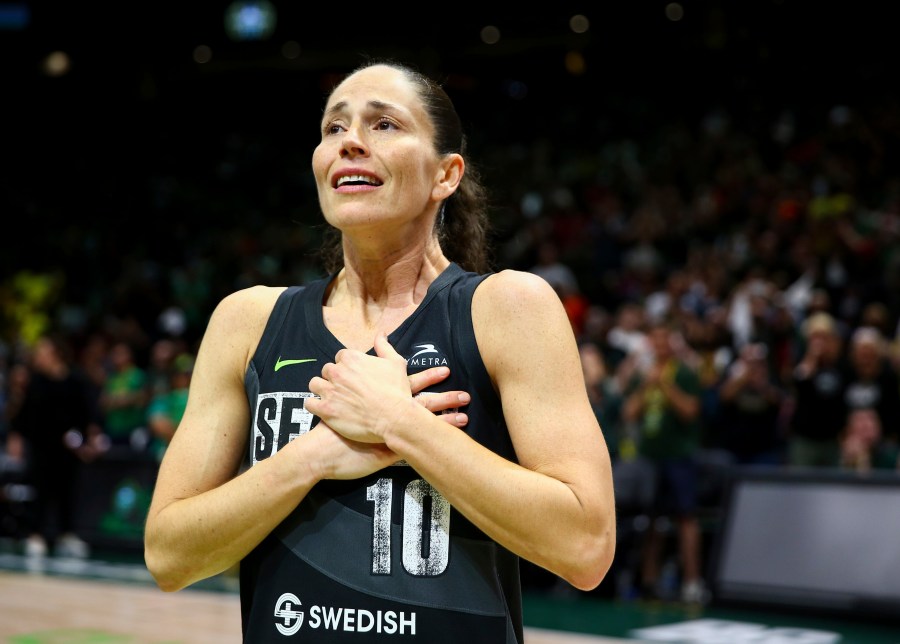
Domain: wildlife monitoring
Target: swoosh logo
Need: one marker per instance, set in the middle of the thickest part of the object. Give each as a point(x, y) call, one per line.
point(425, 348)
point(286, 363)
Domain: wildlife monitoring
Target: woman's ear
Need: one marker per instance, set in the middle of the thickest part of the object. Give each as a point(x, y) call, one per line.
point(449, 175)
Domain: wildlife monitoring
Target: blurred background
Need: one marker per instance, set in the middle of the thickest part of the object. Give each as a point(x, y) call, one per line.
point(153, 135)
point(730, 166)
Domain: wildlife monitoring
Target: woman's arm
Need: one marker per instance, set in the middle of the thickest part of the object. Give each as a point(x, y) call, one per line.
point(203, 519)
point(557, 509)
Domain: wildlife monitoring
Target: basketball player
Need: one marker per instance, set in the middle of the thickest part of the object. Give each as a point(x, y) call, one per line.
point(378, 449)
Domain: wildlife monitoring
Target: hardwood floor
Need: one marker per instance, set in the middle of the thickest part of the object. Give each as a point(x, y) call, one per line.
point(42, 608)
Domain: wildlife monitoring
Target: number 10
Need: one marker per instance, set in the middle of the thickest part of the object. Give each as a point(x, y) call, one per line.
point(426, 545)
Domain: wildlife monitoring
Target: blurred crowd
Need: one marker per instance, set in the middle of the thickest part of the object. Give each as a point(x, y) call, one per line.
point(733, 281)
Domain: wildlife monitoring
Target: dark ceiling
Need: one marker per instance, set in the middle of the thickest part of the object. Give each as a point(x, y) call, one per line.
point(88, 147)
point(133, 70)
point(717, 46)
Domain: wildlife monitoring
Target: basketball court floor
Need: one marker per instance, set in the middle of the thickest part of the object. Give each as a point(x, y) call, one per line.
point(70, 601)
point(40, 609)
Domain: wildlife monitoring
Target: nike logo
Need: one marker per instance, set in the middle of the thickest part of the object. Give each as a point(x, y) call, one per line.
point(286, 363)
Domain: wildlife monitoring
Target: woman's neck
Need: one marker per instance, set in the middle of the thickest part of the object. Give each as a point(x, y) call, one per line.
point(390, 278)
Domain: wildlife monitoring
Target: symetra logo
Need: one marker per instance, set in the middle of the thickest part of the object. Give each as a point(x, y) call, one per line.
point(289, 618)
point(426, 355)
point(286, 363)
point(423, 348)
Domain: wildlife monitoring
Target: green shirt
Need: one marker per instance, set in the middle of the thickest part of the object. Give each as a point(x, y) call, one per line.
point(171, 405)
point(120, 422)
point(663, 434)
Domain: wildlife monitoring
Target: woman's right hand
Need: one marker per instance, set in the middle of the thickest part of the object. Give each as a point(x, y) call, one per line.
point(342, 458)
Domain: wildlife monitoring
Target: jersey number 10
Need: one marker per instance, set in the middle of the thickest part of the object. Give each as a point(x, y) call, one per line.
point(426, 528)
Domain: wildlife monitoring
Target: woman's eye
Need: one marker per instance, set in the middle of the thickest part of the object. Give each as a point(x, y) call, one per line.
point(384, 124)
point(331, 128)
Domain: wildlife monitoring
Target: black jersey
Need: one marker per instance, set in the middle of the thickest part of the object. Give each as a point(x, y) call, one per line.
point(384, 558)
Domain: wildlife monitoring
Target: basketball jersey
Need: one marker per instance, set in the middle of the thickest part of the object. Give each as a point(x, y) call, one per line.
point(383, 558)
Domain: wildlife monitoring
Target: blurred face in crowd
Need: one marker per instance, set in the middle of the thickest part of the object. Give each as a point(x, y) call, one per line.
point(661, 342)
point(592, 364)
point(754, 356)
point(43, 355)
point(630, 317)
point(47, 359)
point(825, 344)
point(866, 355)
point(163, 353)
point(864, 425)
point(121, 355)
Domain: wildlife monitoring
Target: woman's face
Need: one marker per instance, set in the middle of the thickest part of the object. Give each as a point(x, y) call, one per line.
point(376, 163)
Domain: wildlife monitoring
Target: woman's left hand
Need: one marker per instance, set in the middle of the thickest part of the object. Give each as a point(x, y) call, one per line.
point(360, 395)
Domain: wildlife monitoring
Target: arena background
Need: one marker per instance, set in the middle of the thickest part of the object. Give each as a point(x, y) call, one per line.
point(140, 138)
point(135, 136)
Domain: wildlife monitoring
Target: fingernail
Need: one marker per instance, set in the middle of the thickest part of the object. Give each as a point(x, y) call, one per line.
point(464, 398)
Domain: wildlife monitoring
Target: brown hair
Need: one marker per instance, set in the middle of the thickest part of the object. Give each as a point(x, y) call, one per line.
point(462, 224)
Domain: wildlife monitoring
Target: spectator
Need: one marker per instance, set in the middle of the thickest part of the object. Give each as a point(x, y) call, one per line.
point(167, 407)
point(877, 315)
point(124, 399)
point(93, 361)
point(751, 405)
point(862, 446)
point(820, 409)
point(604, 393)
point(15, 386)
point(163, 352)
point(564, 281)
point(549, 266)
point(663, 400)
point(872, 382)
point(56, 422)
point(626, 337)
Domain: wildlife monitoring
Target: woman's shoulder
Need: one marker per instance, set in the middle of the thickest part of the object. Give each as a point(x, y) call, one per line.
point(513, 306)
point(246, 308)
point(238, 321)
point(516, 288)
point(252, 296)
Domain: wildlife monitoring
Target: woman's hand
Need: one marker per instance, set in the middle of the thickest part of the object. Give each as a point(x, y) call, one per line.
point(359, 395)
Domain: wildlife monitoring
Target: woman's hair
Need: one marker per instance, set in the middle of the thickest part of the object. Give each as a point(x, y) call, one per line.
point(462, 223)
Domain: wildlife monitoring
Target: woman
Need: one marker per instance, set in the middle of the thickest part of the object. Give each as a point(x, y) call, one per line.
point(399, 514)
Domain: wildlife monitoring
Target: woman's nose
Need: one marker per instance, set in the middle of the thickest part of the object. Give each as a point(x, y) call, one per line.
point(353, 142)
